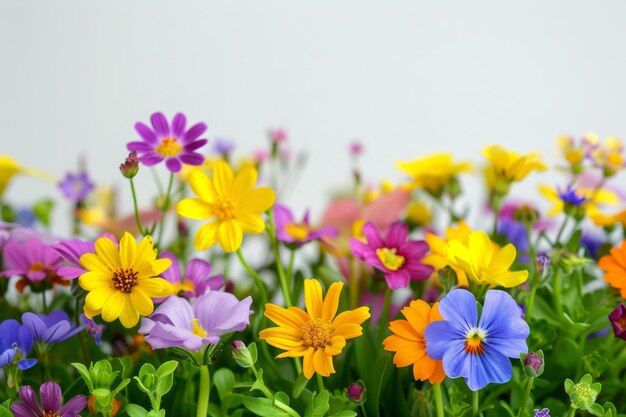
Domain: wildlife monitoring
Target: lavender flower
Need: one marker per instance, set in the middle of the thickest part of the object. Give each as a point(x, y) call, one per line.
point(174, 142)
point(95, 330)
point(223, 146)
point(76, 187)
point(515, 233)
point(52, 328)
point(197, 278)
point(542, 413)
point(71, 250)
point(51, 395)
point(178, 323)
point(298, 233)
point(15, 344)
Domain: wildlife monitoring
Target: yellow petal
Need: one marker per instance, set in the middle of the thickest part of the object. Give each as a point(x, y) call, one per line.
point(481, 250)
point(251, 223)
point(297, 352)
point(222, 178)
point(92, 280)
point(141, 302)
point(97, 298)
point(356, 316)
point(206, 236)
point(230, 235)
point(201, 185)
point(258, 200)
point(127, 250)
point(283, 317)
point(307, 365)
point(313, 298)
point(160, 265)
point(92, 262)
point(244, 182)
point(129, 317)
point(331, 302)
point(114, 306)
point(156, 287)
point(108, 253)
point(194, 208)
point(348, 330)
point(503, 259)
point(509, 279)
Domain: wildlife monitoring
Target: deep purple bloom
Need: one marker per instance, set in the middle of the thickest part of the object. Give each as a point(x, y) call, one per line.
point(618, 321)
point(592, 243)
point(515, 233)
point(477, 350)
point(569, 196)
point(52, 328)
point(542, 413)
point(15, 344)
point(298, 233)
point(76, 187)
point(223, 146)
point(355, 391)
point(94, 329)
point(33, 260)
point(51, 395)
point(197, 278)
point(177, 322)
point(533, 360)
point(396, 257)
point(172, 142)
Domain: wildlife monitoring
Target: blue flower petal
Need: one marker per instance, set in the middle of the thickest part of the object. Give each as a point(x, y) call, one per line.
point(488, 367)
point(25, 364)
point(456, 361)
point(439, 335)
point(24, 339)
point(502, 318)
point(8, 334)
point(6, 357)
point(459, 306)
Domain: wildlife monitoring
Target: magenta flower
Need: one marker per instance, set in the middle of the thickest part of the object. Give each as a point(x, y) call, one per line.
point(398, 258)
point(71, 250)
point(618, 321)
point(177, 322)
point(298, 233)
point(50, 393)
point(76, 187)
point(172, 143)
point(197, 278)
point(32, 260)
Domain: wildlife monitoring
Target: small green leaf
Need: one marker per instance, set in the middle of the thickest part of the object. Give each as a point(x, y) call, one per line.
point(231, 400)
point(84, 372)
point(42, 210)
point(258, 384)
point(253, 352)
point(164, 385)
point(318, 405)
point(167, 368)
point(121, 386)
point(101, 394)
point(263, 407)
point(596, 409)
point(299, 385)
point(134, 410)
point(347, 413)
point(282, 397)
point(224, 380)
point(4, 412)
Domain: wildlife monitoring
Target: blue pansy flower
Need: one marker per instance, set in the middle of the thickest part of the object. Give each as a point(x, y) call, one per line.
point(478, 350)
point(52, 328)
point(15, 344)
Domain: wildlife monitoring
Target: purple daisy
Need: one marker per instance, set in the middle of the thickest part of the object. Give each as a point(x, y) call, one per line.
point(15, 344)
point(52, 328)
point(76, 187)
point(396, 257)
point(50, 393)
point(298, 233)
point(197, 278)
point(477, 350)
point(172, 142)
point(71, 250)
point(177, 322)
point(33, 260)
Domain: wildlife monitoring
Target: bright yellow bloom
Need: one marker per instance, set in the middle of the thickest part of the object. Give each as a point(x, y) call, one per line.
point(433, 172)
point(409, 344)
point(508, 166)
point(121, 282)
point(316, 335)
point(604, 220)
point(483, 262)
point(232, 201)
point(419, 213)
point(8, 168)
point(437, 257)
point(594, 198)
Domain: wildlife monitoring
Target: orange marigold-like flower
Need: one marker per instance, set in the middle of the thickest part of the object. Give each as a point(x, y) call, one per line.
point(614, 265)
point(410, 345)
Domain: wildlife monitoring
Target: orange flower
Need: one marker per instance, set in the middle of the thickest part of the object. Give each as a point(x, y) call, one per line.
point(409, 344)
point(615, 267)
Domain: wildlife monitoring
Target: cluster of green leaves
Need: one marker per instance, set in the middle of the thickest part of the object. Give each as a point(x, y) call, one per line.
point(99, 378)
point(155, 383)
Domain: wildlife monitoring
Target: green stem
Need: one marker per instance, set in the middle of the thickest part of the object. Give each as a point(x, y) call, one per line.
point(384, 316)
point(320, 382)
point(136, 207)
point(438, 399)
point(571, 412)
point(166, 205)
point(262, 386)
point(284, 284)
point(286, 409)
point(353, 284)
point(292, 257)
point(44, 301)
point(556, 293)
point(475, 403)
point(561, 230)
point(204, 392)
point(529, 387)
point(257, 279)
point(365, 412)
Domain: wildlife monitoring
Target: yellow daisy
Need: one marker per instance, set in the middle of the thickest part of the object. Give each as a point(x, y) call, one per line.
point(121, 282)
point(594, 199)
point(231, 201)
point(508, 166)
point(433, 172)
point(316, 334)
point(437, 257)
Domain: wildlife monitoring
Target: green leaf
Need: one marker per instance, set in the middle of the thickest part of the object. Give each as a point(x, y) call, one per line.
point(5, 412)
point(318, 405)
point(253, 352)
point(224, 380)
point(231, 400)
point(167, 368)
point(263, 407)
point(121, 386)
point(164, 385)
point(258, 384)
point(574, 241)
point(569, 384)
point(183, 354)
point(134, 410)
point(299, 385)
point(84, 372)
point(596, 409)
point(42, 210)
point(101, 394)
point(347, 413)
point(282, 397)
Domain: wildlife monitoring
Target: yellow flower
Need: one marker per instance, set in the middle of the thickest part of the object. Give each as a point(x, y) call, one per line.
point(484, 263)
point(438, 259)
point(8, 168)
point(604, 220)
point(409, 343)
point(508, 166)
point(433, 172)
point(594, 198)
point(419, 213)
point(121, 282)
point(232, 201)
point(608, 156)
point(316, 335)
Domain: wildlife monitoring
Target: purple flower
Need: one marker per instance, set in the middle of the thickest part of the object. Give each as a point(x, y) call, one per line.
point(515, 233)
point(569, 196)
point(477, 350)
point(298, 233)
point(396, 257)
point(542, 413)
point(223, 146)
point(15, 344)
point(618, 321)
point(95, 330)
point(52, 328)
point(71, 250)
point(176, 322)
point(50, 393)
point(355, 391)
point(25, 217)
point(355, 148)
point(33, 260)
point(172, 143)
point(197, 278)
point(592, 243)
point(278, 135)
point(76, 187)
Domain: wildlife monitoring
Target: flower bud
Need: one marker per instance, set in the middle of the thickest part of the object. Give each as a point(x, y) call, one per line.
point(356, 392)
point(241, 354)
point(533, 363)
point(618, 321)
point(130, 167)
point(583, 394)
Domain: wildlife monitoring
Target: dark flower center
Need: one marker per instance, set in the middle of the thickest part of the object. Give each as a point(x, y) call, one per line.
point(124, 280)
point(50, 414)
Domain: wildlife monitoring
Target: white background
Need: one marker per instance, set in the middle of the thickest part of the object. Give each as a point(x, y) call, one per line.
point(407, 78)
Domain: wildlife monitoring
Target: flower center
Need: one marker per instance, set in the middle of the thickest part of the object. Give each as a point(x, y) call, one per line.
point(297, 231)
point(50, 414)
point(124, 280)
point(316, 333)
point(225, 209)
point(37, 267)
point(197, 329)
point(474, 342)
point(169, 147)
point(390, 259)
